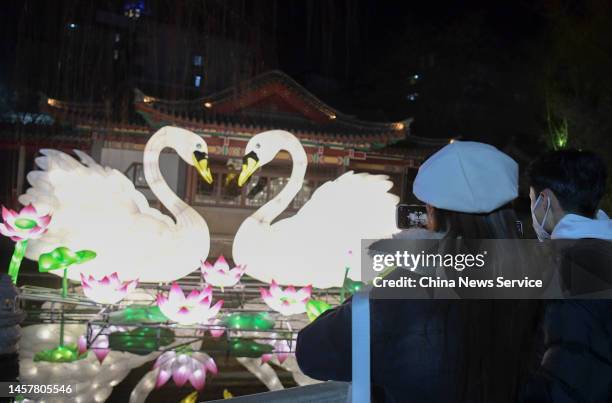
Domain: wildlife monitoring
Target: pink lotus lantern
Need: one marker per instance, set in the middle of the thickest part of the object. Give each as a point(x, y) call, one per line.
point(107, 290)
point(184, 366)
point(21, 227)
point(82, 345)
point(100, 345)
point(281, 351)
point(217, 328)
point(220, 274)
point(195, 308)
point(287, 301)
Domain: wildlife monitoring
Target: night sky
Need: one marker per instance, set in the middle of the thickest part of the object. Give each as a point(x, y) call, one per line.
point(501, 72)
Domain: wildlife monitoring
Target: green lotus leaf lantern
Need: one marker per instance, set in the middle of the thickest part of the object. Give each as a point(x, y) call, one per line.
point(61, 354)
point(248, 321)
point(248, 348)
point(314, 308)
point(138, 314)
point(62, 258)
point(141, 340)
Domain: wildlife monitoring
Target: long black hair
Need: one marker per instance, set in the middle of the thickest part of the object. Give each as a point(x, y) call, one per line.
point(498, 337)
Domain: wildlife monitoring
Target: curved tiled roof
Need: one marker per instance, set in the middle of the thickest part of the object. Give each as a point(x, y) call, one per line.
point(286, 105)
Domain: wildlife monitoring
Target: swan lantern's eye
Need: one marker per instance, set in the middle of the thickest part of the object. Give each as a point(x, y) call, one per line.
point(257, 145)
point(199, 146)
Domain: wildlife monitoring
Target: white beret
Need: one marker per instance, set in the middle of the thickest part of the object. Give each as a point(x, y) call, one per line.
point(467, 177)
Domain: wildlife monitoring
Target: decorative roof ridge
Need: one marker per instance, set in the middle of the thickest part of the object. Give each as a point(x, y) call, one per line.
point(227, 94)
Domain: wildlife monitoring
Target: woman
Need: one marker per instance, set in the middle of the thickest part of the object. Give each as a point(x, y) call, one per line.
point(442, 350)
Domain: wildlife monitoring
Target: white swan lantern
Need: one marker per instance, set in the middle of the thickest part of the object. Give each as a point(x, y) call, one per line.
point(98, 208)
point(318, 243)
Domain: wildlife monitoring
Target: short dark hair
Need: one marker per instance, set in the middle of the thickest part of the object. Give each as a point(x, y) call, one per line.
point(577, 178)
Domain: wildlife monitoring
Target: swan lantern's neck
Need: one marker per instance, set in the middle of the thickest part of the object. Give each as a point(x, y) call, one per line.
point(273, 208)
point(185, 215)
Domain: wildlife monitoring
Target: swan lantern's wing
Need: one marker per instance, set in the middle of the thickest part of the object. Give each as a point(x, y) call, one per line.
point(88, 202)
point(354, 205)
point(325, 234)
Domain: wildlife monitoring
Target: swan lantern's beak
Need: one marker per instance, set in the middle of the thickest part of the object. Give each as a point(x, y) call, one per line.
point(200, 162)
point(250, 163)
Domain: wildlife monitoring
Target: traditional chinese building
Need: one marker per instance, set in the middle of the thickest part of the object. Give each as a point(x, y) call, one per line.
point(333, 141)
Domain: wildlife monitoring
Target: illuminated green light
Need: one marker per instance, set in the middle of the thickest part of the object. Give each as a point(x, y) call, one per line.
point(25, 223)
point(352, 286)
point(248, 348)
point(249, 321)
point(314, 308)
point(141, 340)
point(68, 353)
point(138, 314)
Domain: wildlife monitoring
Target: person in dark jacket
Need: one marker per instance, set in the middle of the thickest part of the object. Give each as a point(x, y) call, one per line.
point(435, 350)
point(576, 359)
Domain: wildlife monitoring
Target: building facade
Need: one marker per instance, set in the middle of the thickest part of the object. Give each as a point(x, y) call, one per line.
point(227, 119)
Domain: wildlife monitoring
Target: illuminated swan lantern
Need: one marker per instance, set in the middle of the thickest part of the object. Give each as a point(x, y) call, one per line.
point(98, 208)
point(316, 244)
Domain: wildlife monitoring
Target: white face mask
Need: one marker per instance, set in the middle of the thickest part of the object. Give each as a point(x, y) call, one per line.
point(539, 227)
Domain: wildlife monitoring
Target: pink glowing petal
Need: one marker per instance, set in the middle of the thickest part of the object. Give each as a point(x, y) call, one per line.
point(115, 278)
point(221, 264)
point(290, 290)
point(183, 311)
point(208, 290)
point(101, 353)
point(104, 280)
point(207, 266)
point(8, 214)
point(161, 299)
point(198, 378)
point(265, 294)
point(162, 378)
point(84, 282)
point(130, 286)
point(194, 296)
point(266, 358)
point(282, 357)
point(164, 359)
point(8, 228)
point(17, 238)
point(211, 366)
point(82, 345)
point(44, 220)
point(176, 293)
point(181, 375)
point(28, 210)
point(216, 308)
point(216, 333)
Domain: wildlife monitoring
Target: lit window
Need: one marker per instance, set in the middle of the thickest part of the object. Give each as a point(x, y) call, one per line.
point(117, 37)
point(115, 54)
point(197, 60)
point(197, 81)
point(413, 96)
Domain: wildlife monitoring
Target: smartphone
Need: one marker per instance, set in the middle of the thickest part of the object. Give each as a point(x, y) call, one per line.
point(410, 216)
